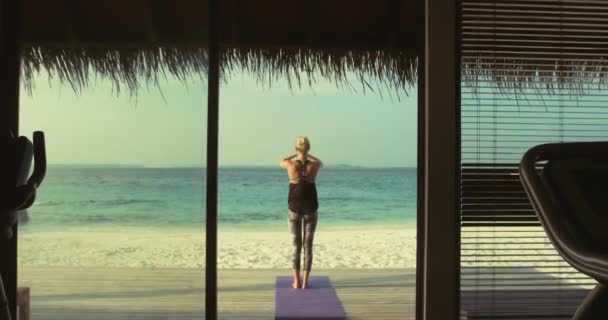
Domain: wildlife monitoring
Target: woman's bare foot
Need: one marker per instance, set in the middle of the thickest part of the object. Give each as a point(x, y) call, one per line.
point(296, 279)
point(295, 284)
point(305, 280)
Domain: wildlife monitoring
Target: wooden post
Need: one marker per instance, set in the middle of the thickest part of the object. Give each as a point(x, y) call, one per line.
point(10, 24)
point(212, 162)
point(441, 277)
point(23, 302)
point(420, 188)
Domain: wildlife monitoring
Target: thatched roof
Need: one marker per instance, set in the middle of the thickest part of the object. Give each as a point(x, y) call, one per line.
point(134, 42)
point(535, 45)
point(509, 44)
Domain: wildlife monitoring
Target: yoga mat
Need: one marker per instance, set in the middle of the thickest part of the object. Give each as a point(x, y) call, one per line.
point(317, 302)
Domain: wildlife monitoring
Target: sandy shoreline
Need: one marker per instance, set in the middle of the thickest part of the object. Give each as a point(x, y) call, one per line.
point(387, 247)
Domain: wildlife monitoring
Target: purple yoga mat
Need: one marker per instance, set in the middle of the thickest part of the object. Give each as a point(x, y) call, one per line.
point(319, 301)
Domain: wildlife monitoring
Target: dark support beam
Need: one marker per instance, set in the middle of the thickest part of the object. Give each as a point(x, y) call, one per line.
point(420, 216)
point(10, 23)
point(393, 22)
point(441, 278)
point(212, 161)
point(420, 191)
point(234, 14)
point(72, 9)
point(151, 10)
point(130, 43)
point(312, 32)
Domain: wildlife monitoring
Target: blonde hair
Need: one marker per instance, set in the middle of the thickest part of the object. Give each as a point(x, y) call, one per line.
point(302, 144)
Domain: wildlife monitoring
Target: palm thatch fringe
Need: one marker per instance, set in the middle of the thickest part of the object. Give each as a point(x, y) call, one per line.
point(132, 68)
point(513, 76)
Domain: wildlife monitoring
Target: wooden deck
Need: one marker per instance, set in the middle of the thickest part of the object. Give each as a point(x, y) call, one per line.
point(135, 293)
point(531, 304)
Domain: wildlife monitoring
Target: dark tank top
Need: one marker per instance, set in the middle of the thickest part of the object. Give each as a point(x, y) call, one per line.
point(303, 194)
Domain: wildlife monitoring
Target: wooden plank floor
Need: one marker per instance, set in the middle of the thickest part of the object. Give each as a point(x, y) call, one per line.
point(530, 304)
point(136, 293)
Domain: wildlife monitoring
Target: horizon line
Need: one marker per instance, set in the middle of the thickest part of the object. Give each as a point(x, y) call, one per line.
point(226, 165)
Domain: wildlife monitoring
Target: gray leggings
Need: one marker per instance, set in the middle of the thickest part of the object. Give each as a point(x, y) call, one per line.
point(295, 227)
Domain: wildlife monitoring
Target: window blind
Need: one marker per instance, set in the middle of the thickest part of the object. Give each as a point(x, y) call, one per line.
point(532, 72)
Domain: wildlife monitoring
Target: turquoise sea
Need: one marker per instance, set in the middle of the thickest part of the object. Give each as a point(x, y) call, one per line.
point(249, 197)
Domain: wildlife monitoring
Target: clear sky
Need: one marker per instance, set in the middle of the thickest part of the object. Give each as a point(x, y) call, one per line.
point(258, 125)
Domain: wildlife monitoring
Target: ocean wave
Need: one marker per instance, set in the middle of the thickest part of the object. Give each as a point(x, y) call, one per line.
point(117, 202)
point(48, 203)
point(249, 217)
point(89, 218)
point(354, 199)
point(95, 202)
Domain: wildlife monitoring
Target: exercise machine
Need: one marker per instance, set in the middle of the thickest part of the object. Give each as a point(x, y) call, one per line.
point(567, 184)
point(17, 191)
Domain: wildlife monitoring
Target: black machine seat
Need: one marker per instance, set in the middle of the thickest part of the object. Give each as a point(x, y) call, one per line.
point(16, 175)
point(570, 196)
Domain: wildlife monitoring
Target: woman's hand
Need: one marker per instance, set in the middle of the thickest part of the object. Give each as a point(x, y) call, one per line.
point(286, 161)
point(315, 159)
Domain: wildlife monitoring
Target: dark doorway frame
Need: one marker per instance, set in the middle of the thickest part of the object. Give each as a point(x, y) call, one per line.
point(440, 280)
point(433, 286)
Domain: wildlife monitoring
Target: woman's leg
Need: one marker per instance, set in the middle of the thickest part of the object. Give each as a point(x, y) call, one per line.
point(295, 227)
point(310, 225)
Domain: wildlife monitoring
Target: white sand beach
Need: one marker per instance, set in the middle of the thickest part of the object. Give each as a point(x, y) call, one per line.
point(379, 247)
point(352, 247)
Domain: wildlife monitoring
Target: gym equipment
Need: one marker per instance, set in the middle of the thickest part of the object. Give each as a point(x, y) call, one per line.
point(570, 195)
point(17, 192)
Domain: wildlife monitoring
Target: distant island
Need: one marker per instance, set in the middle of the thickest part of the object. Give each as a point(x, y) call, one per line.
point(350, 166)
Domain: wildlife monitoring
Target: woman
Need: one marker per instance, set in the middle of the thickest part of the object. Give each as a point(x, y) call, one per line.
point(302, 169)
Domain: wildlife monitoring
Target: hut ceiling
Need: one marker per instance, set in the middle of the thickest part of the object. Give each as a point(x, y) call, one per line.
point(134, 40)
point(336, 24)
